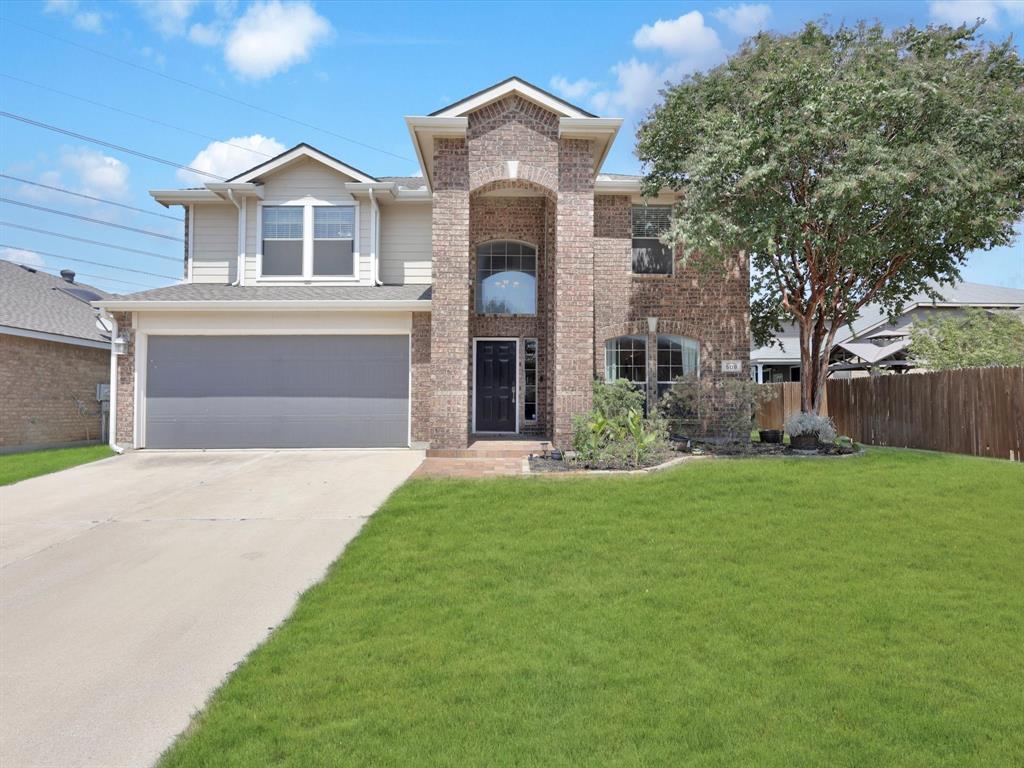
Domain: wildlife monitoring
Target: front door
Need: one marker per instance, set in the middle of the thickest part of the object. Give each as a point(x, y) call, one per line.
point(495, 386)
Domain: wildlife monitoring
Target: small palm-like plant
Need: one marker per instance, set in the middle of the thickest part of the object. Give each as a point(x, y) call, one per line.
point(643, 438)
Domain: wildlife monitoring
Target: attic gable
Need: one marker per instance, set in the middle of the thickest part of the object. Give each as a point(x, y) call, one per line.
point(297, 154)
point(512, 85)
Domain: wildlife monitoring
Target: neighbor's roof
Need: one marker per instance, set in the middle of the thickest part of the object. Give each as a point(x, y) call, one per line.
point(195, 295)
point(872, 317)
point(32, 300)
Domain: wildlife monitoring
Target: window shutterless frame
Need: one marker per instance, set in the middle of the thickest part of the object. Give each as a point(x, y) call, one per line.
point(307, 204)
point(649, 255)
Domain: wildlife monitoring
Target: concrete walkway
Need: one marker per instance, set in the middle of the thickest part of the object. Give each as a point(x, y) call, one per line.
point(129, 588)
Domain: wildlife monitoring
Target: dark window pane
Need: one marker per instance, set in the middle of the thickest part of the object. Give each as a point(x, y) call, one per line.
point(332, 257)
point(651, 257)
point(282, 257)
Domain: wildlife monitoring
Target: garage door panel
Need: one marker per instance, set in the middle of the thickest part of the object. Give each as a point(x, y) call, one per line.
point(277, 391)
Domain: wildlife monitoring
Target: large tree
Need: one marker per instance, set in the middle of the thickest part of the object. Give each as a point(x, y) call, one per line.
point(977, 338)
point(852, 165)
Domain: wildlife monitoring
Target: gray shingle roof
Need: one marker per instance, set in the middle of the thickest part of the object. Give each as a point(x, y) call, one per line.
point(36, 301)
point(217, 292)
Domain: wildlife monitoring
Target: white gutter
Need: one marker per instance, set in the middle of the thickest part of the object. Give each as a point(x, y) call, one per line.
point(374, 238)
point(112, 416)
point(240, 269)
point(229, 305)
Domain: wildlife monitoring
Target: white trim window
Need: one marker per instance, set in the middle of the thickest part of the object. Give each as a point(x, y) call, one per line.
point(309, 241)
point(506, 278)
point(625, 357)
point(530, 355)
point(677, 356)
point(650, 255)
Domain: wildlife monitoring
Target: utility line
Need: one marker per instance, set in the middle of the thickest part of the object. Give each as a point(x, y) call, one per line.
point(54, 271)
point(89, 197)
point(90, 219)
point(86, 261)
point(102, 143)
point(207, 136)
point(204, 89)
point(176, 260)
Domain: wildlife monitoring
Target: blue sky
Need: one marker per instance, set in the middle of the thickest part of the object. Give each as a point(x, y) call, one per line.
point(345, 75)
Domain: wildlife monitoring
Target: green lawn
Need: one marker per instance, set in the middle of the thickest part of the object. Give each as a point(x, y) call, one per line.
point(866, 611)
point(21, 466)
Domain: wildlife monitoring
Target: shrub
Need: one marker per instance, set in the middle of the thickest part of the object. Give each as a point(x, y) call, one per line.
point(801, 423)
point(725, 406)
point(615, 433)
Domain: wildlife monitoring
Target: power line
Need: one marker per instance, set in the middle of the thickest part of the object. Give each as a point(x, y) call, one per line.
point(203, 89)
point(54, 271)
point(207, 136)
point(102, 143)
point(91, 242)
point(86, 261)
point(90, 219)
point(89, 197)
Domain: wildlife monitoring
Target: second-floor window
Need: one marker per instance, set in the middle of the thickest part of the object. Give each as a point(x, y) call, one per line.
point(650, 255)
point(308, 241)
point(506, 278)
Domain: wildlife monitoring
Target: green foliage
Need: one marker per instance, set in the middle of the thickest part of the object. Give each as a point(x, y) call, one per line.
point(21, 466)
point(727, 407)
point(853, 166)
point(615, 434)
point(972, 340)
point(821, 427)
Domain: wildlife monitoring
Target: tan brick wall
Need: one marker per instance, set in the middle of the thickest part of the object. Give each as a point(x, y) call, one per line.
point(709, 307)
point(49, 391)
point(574, 286)
point(449, 333)
point(420, 396)
point(126, 382)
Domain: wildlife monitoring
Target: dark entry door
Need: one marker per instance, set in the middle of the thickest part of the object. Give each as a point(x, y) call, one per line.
point(496, 386)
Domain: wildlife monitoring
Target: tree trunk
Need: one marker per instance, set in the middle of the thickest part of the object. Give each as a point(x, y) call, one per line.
point(814, 356)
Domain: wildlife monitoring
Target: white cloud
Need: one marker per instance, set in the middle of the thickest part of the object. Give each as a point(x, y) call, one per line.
point(572, 89)
point(956, 12)
point(87, 21)
point(744, 19)
point(231, 157)
point(168, 17)
point(271, 36)
point(96, 174)
point(686, 37)
point(25, 257)
point(637, 86)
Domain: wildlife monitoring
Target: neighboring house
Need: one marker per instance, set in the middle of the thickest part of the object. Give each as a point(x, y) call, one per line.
point(53, 357)
point(874, 344)
point(324, 306)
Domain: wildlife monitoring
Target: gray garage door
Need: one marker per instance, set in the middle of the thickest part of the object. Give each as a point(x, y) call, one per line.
point(277, 391)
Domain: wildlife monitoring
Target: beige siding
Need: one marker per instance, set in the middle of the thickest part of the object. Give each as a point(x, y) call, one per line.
point(405, 243)
point(215, 243)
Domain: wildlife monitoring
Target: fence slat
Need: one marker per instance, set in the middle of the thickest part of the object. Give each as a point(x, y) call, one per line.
point(977, 411)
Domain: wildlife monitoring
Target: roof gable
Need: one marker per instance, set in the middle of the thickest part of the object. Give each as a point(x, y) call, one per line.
point(516, 85)
point(299, 152)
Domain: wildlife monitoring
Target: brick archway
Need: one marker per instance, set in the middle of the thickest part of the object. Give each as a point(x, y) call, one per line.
point(515, 175)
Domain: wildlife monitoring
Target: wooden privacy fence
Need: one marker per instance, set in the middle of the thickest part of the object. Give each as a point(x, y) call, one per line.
point(773, 413)
point(977, 411)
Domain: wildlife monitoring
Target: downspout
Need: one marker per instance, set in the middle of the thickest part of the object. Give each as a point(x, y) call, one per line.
point(240, 269)
point(375, 238)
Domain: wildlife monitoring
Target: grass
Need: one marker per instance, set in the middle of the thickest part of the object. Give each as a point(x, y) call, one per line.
point(21, 466)
point(757, 612)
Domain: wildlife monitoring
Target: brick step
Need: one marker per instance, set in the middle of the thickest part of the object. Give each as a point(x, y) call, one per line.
point(480, 453)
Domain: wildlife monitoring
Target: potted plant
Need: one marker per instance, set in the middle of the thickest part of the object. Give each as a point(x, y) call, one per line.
point(770, 435)
point(808, 430)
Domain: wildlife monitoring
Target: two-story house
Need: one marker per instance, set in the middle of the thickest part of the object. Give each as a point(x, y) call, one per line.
point(323, 306)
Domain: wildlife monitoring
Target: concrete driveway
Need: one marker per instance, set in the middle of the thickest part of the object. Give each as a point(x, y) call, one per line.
point(131, 587)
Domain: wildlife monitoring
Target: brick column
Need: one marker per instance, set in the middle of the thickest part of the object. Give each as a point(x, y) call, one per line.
point(420, 395)
point(449, 332)
point(125, 418)
point(574, 286)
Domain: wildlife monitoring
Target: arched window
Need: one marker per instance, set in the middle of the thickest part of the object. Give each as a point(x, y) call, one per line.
point(677, 356)
point(506, 278)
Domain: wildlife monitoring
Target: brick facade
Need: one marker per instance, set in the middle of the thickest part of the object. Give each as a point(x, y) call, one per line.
point(49, 392)
point(420, 396)
point(125, 434)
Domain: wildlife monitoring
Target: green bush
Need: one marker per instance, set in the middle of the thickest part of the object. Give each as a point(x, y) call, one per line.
point(615, 433)
point(725, 407)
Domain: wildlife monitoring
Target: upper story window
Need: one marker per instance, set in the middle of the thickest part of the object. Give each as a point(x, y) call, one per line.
point(506, 278)
point(308, 241)
point(650, 255)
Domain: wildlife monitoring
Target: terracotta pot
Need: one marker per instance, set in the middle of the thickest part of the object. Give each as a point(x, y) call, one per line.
point(770, 435)
point(808, 442)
